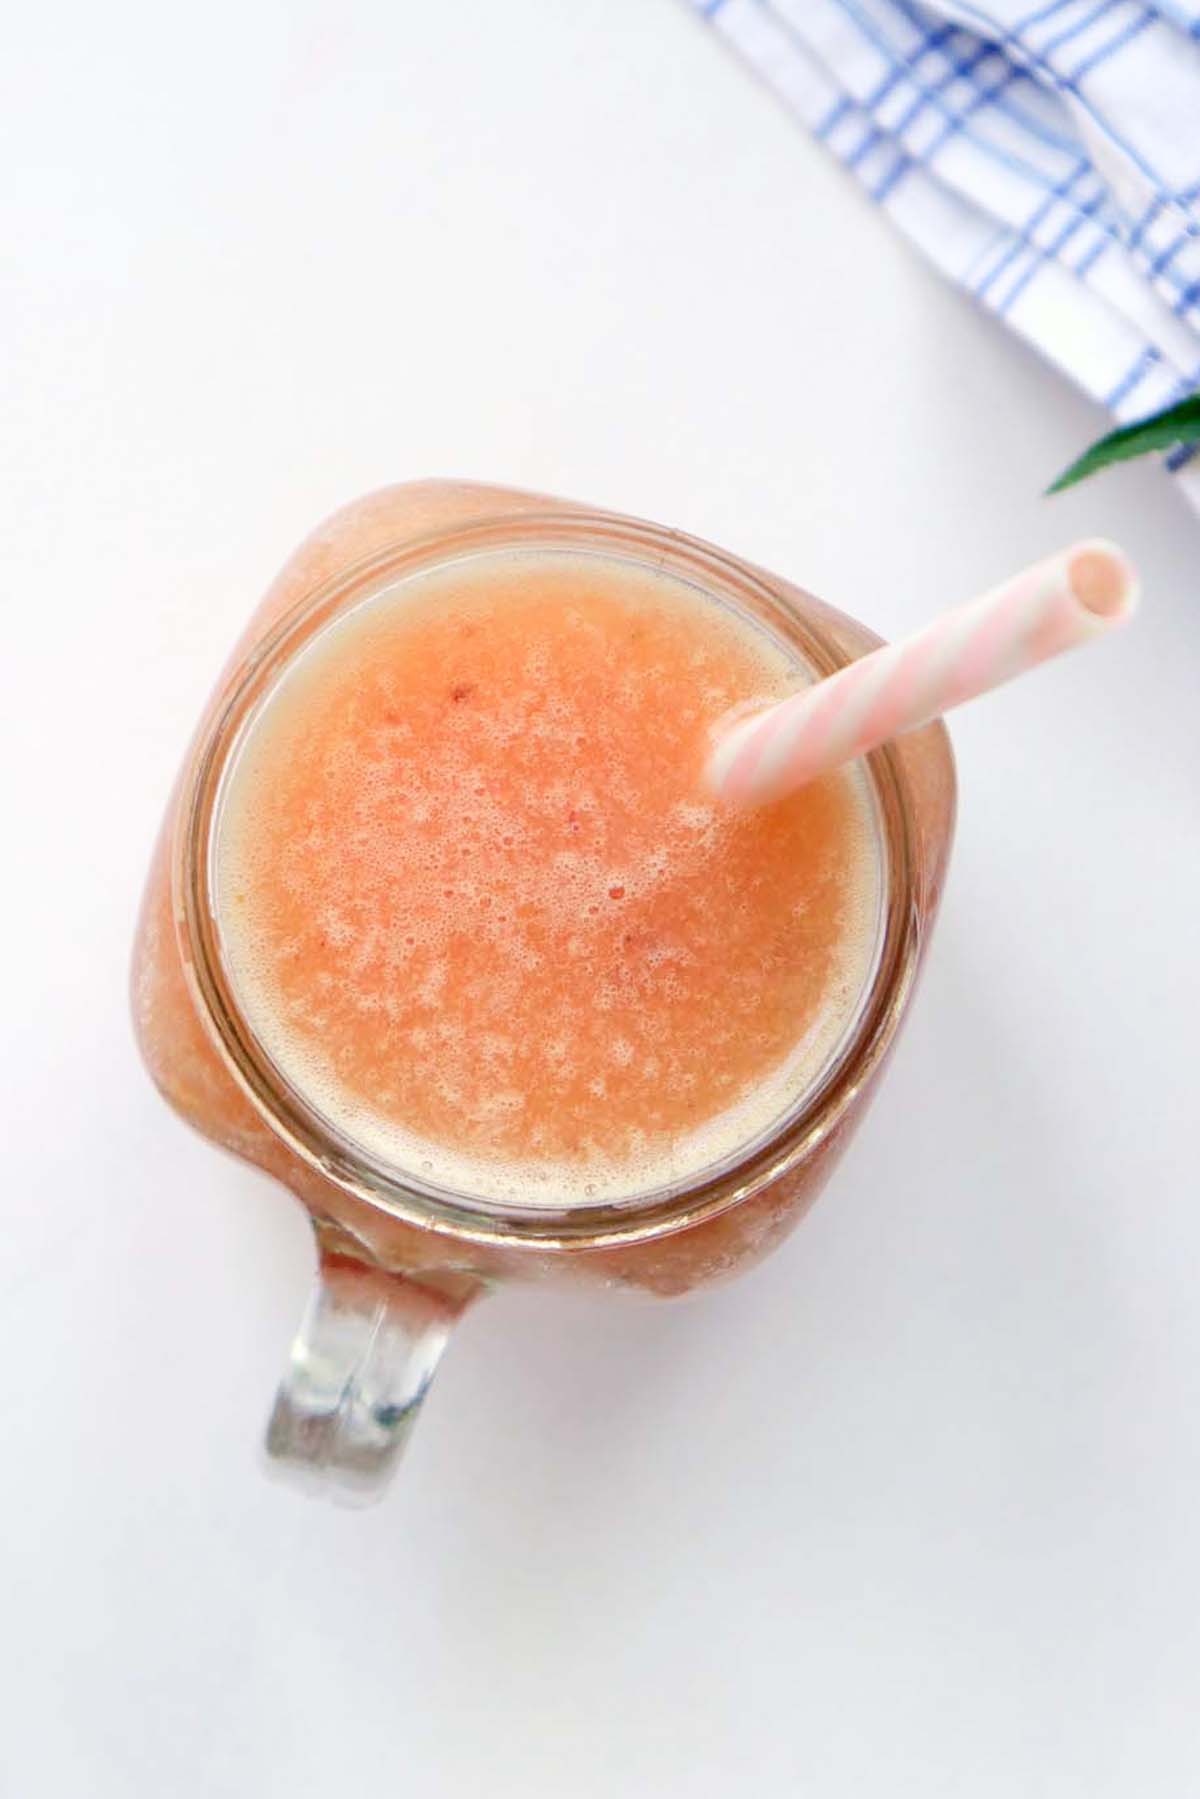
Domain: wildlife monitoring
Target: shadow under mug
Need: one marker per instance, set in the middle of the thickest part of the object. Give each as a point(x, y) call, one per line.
point(398, 1261)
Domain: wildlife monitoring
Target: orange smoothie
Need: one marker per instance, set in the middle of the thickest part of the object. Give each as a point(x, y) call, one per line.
point(480, 913)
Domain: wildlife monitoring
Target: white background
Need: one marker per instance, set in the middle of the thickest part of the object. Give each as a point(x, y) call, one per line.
point(912, 1510)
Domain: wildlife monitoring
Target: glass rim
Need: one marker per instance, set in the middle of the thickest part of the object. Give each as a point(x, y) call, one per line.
point(801, 1128)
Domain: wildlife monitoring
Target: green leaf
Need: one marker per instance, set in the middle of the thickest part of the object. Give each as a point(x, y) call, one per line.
point(1161, 431)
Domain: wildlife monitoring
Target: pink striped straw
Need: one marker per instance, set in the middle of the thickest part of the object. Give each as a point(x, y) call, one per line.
point(1070, 598)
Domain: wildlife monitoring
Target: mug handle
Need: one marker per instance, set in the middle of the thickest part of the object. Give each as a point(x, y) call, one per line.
point(367, 1348)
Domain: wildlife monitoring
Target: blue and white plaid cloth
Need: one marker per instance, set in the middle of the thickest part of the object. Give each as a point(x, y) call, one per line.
point(1045, 157)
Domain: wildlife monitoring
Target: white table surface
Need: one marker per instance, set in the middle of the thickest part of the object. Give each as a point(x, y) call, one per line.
point(912, 1510)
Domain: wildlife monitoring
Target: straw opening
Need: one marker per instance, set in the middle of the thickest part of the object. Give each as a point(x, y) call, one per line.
point(1102, 581)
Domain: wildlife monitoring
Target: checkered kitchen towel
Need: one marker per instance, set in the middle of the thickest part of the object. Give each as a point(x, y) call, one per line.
point(1045, 157)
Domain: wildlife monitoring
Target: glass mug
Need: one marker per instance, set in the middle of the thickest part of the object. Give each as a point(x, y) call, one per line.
point(399, 1261)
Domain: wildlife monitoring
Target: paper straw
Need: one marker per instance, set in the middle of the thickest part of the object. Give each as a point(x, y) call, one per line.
point(1069, 599)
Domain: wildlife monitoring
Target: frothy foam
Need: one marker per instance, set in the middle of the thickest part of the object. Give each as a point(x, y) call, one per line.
point(464, 870)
